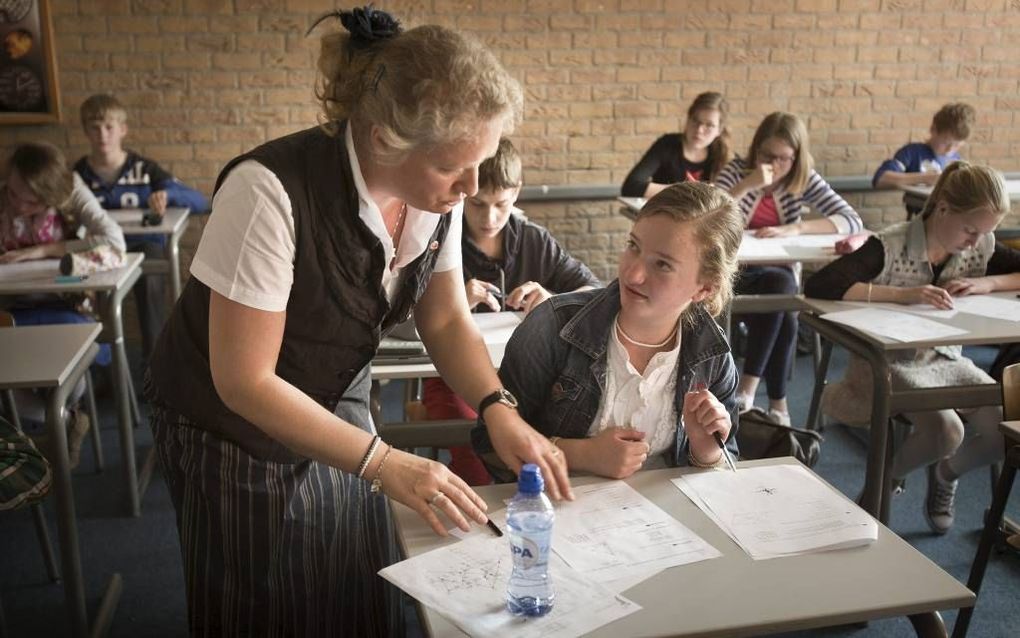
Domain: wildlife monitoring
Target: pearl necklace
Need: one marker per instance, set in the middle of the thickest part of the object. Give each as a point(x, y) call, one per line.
point(646, 345)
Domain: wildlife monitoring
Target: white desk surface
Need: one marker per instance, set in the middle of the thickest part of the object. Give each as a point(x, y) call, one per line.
point(980, 330)
point(496, 328)
point(38, 277)
point(923, 190)
point(130, 221)
point(43, 356)
point(1011, 429)
point(804, 249)
point(736, 596)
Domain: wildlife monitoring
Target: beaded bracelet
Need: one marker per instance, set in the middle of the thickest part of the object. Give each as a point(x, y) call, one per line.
point(376, 486)
point(696, 463)
point(365, 460)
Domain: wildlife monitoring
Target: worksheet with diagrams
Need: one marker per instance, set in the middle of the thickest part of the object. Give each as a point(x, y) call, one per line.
point(778, 510)
point(900, 326)
point(466, 583)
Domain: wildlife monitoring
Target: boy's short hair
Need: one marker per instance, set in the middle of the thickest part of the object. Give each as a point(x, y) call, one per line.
point(502, 170)
point(101, 105)
point(955, 119)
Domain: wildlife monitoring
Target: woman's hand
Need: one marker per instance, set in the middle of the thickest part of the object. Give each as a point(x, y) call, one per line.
point(157, 202)
point(704, 416)
point(761, 177)
point(927, 294)
point(481, 292)
point(517, 443)
point(785, 230)
point(527, 296)
point(428, 487)
point(616, 452)
point(851, 243)
point(969, 286)
point(23, 254)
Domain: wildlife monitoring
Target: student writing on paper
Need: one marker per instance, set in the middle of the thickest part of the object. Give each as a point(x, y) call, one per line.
point(696, 155)
point(949, 250)
point(773, 186)
point(612, 375)
point(501, 248)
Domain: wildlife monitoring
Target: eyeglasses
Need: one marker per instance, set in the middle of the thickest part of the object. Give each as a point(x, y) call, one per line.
point(769, 158)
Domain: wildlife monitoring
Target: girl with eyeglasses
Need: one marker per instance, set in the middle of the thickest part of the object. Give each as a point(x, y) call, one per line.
point(772, 186)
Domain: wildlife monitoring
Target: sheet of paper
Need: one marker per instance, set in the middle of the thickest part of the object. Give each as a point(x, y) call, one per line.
point(915, 308)
point(466, 583)
point(778, 510)
point(614, 535)
point(496, 327)
point(36, 270)
point(901, 326)
point(752, 247)
point(989, 306)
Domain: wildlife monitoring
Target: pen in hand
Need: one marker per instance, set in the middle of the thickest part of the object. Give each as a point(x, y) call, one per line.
point(495, 529)
point(697, 386)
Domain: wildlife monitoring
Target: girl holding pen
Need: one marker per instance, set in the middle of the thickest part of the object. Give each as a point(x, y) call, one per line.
point(612, 375)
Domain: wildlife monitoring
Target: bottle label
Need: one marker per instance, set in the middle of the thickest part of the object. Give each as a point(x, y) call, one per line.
point(524, 551)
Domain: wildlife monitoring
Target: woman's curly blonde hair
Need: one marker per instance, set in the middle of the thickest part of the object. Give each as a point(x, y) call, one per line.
point(425, 86)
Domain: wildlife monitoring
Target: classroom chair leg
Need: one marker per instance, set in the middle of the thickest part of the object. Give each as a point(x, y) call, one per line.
point(42, 532)
point(929, 625)
point(11, 408)
point(90, 402)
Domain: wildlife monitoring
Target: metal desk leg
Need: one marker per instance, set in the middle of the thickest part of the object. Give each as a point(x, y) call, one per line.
point(173, 256)
point(928, 625)
point(114, 328)
point(11, 407)
point(977, 570)
point(821, 372)
point(874, 483)
point(43, 532)
point(97, 442)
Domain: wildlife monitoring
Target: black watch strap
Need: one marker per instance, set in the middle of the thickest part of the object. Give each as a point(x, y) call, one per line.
point(499, 396)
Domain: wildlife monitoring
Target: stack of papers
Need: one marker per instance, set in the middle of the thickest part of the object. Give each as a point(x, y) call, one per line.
point(900, 326)
point(778, 510)
point(466, 583)
point(989, 306)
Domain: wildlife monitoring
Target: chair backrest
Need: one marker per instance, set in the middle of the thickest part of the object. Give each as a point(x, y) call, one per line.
point(1011, 392)
point(6, 319)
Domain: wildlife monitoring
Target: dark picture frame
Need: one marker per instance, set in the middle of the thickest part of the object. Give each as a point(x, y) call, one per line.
point(28, 66)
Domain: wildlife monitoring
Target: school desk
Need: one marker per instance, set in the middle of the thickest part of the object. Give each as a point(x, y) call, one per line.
point(888, 401)
point(915, 195)
point(734, 595)
point(171, 227)
point(110, 288)
point(54, 358)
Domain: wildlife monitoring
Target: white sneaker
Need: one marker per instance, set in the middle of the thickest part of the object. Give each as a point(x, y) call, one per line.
point(779, 418)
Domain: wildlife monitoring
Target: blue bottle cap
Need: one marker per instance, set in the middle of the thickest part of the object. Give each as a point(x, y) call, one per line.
point(530, 480)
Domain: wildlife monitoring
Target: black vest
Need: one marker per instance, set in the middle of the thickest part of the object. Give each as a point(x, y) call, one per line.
point(337, 311)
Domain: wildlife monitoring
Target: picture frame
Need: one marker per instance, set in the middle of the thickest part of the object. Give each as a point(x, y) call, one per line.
point(29, 93)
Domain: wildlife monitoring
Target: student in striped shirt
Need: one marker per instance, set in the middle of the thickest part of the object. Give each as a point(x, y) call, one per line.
point(772, 187)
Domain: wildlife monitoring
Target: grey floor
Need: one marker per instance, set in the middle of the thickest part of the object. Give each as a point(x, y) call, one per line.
point(145, 550)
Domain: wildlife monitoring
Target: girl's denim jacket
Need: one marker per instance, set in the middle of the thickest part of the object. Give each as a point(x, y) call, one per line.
point(555, 364)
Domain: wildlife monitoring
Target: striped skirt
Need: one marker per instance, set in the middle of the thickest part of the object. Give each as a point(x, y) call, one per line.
point(273, 549)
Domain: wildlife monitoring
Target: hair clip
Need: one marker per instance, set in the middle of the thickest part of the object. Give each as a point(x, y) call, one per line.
point(366, 25)
point(380, 71)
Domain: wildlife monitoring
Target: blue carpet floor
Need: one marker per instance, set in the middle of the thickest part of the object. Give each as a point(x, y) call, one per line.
point(145, 550)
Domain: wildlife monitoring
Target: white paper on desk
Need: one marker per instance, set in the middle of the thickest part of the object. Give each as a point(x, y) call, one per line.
point(778, 510)
point(35, 270)
point(923, 309)
point(496, 327)
point(989, 306)
point(900, 326)
point(614, 535)
point(466, 583)
point(754, 247)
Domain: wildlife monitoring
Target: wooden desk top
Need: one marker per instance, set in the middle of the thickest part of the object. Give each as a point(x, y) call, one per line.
point(43, 356)
point(736, 596)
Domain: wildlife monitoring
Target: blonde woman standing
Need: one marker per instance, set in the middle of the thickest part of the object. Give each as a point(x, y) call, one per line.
point(319, 243)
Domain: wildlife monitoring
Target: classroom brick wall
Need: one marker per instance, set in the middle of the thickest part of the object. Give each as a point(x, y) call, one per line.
point(208, 79)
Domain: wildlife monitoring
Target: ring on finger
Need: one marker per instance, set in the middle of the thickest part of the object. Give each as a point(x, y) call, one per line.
point(435, 497)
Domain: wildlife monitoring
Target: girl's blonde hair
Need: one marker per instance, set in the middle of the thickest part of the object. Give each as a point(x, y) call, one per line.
point(790, 129)
point(719, 151)
point(43, 168)
point(718, 228)
point(965, 187)
point(425, 86)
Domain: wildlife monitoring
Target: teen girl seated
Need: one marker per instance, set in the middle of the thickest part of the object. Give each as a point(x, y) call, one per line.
point(947, 251)
point(637, 374)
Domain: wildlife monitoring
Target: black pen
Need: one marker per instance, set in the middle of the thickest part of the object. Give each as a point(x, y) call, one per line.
point(492, 526)
point(695, 387)
point(502, 297)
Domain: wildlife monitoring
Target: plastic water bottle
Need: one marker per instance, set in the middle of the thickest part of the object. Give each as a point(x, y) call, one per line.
point(530, 518)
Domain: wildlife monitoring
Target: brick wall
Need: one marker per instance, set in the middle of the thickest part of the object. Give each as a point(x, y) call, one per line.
point(207, 79)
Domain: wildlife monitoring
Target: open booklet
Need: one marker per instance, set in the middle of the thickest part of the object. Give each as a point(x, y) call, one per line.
point(778, 510)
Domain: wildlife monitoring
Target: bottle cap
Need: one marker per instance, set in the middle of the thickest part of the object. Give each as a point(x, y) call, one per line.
point(530, 480)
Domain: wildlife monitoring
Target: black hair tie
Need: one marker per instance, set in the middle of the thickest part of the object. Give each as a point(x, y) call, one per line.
point(367, 25)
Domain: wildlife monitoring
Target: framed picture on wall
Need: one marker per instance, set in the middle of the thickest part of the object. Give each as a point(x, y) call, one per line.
point(28, 66)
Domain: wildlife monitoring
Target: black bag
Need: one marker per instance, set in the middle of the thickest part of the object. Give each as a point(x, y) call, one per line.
point(758, 437)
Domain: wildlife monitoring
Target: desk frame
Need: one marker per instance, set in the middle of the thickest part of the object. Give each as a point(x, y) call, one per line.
point(173, 225)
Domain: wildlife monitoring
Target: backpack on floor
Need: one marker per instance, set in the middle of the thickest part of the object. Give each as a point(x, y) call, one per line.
point(759, 437)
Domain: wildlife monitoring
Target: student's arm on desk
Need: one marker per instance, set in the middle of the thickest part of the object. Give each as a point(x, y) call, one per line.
point(894, 179)
point(1002, 273)
point(39, 251)
point(820, 226)
point(459, 353)
point(244, 345)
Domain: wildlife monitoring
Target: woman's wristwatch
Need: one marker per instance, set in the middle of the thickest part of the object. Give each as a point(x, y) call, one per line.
point(502, 396)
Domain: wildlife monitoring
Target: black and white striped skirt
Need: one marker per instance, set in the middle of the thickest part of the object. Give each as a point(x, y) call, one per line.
point(275, 549)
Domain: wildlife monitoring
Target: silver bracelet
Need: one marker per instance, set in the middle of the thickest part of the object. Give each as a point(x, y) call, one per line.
point(365, 460)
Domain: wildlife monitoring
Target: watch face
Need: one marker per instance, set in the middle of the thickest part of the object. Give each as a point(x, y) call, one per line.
point(20, 89)
point(12, 11)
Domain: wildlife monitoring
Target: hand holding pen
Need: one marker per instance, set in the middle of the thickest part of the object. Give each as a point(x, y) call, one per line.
point(707, 423)
point(482, 292)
